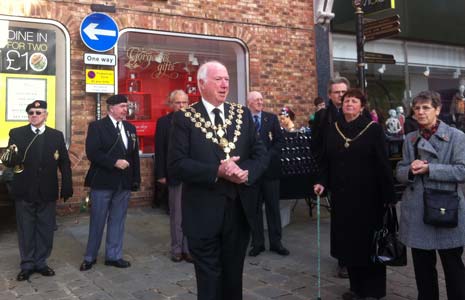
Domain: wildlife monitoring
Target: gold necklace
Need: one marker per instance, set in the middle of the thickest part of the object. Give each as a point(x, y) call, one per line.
point(217, 134)
point(347, 140)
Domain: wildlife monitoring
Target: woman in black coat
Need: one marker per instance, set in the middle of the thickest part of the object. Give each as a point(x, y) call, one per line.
point(356, 171)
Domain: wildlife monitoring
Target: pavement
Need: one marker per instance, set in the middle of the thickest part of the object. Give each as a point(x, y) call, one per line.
point(153, 276)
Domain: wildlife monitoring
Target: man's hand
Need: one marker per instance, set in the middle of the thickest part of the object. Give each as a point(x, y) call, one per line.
point(121, 164)
point(162, 180)
point(230, 171)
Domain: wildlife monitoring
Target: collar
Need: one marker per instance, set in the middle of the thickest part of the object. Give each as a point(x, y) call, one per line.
point(259, 114)
point(427, 133)
point(41, 129)
point(114, 121)
point(209, 107)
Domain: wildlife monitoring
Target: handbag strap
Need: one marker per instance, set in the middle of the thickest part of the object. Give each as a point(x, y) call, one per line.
point(390, 219)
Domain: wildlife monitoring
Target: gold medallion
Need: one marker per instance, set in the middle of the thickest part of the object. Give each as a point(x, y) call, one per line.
point(204, 130)
point(239, 122)
point(194, 120)
point(228, 122)
point(215, 140)
point(226, 150)
point(232, 146)
point(198, 124)
point(56, 155)
point(188, 114)
point(220, 132)
point(224, 142)
point(240, 111)
point(237, 133)
point(209, 135)
point(238, 127)
point(208, 124)
point(197, 115)
point(346, 144)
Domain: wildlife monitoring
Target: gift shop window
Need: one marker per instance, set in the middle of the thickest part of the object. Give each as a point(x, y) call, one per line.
point(151, 64)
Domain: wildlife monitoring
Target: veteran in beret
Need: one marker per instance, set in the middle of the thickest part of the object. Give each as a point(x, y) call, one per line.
point(39, 152)
point(113, 151)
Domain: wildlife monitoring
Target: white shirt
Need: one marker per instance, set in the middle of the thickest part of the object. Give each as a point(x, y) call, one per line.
point(210, 107)
point(124, 137)
point(41, 129)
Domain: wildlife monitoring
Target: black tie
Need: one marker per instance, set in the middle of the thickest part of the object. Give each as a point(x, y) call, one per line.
point(37, 130)
point(218, 120)
point(256, 122)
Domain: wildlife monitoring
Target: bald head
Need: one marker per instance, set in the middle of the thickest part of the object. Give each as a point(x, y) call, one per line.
point(255, 102)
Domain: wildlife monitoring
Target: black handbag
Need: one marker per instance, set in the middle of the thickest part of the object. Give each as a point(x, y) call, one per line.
point(388, 250)
point(440, 208)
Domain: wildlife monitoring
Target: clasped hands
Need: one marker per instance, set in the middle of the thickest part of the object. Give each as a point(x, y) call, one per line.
point(419, 167)
point(230, 171)
point(121, 164)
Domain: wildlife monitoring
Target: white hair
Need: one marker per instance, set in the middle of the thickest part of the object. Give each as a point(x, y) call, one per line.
point(202, 72)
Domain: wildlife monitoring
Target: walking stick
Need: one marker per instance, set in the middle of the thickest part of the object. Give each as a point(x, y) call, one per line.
point(318, 245)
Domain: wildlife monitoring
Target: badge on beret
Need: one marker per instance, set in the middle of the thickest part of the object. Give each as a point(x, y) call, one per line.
point(56, 155)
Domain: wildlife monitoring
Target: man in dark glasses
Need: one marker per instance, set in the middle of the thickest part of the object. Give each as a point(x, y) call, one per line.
point(41, 150)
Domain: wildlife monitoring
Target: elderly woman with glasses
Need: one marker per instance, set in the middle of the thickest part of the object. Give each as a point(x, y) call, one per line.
point(433, 157)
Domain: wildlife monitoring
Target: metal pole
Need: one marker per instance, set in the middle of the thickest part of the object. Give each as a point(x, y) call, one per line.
point(98, 108)
point(360, 51)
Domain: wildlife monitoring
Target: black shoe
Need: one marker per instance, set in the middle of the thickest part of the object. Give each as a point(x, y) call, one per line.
point(176, 257)
point(87, 265)
point(120, 263)
point(24, 275)
point(188, 258)
point(280, 250)
point(46, 271)
point(256, 250)
point(342, 272)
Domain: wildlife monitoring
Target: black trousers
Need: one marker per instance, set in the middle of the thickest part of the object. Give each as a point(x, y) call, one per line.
point(268, 194)
point(36, 223)
point(219, 260)
point(368, 281)
point(426, 275)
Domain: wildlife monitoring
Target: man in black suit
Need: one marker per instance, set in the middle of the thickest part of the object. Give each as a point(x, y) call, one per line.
point(325, 118)
point(113, 151)
point(215, 152)
point(267, 127)
point(177, 100)
point(41, 150)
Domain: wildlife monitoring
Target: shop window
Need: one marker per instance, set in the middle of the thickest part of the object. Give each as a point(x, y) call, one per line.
point(34, 65)
point(151, 64)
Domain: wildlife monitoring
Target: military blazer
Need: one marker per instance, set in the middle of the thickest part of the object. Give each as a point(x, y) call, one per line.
point(194, 159)
point(39, 180)
point(104, 147)
point(271, 134)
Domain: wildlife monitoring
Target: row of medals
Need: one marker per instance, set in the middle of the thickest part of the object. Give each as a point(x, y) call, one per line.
point(217, 134)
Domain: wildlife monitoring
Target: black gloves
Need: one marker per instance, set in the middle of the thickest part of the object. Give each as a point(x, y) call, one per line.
point(66, 193)
point(135, 186)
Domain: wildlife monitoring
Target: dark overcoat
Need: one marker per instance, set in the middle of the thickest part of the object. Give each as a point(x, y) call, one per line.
point(195, 159)
point(272, 136)
point(360, 181)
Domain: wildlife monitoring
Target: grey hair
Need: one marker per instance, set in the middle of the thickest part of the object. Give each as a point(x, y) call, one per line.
point(202, 72)
point(337, 80)
point(173, 94)
point(426, 96)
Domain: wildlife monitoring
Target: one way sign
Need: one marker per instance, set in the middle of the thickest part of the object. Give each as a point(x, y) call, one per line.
point(99, 32)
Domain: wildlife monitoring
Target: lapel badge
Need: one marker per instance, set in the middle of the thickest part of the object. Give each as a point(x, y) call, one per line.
point(445, 137)
point(56, 155)
point(270, 135)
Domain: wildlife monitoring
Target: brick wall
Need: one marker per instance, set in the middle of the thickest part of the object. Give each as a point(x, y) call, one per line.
point(278, 34)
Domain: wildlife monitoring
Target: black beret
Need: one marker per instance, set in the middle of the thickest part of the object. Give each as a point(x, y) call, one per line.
point(117, 99)
point(37, 104)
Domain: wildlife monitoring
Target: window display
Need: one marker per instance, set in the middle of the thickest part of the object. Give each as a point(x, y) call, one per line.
point(152, 64)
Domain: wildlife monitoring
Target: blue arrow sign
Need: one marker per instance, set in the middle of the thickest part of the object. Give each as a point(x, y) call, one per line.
point(99, 32)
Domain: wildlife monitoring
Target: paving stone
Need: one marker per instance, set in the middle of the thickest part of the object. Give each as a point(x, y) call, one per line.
point(58, 294)
point(149, 295)
point(270, 292)
point(185, 296)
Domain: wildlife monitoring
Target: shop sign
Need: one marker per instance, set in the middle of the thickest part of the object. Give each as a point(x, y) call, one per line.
point(99, 32)
point(100, 81)
point(379, 58)
point(28, 51)
point(143, 58)
point(99, 59)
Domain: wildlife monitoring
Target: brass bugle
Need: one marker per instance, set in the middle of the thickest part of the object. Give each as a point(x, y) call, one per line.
point(7, 155)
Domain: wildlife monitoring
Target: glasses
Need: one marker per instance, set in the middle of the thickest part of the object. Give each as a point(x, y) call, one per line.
point(422, 107)
point(36, 112)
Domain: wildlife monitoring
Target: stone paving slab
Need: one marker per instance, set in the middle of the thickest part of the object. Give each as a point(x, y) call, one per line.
point(153, 276)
